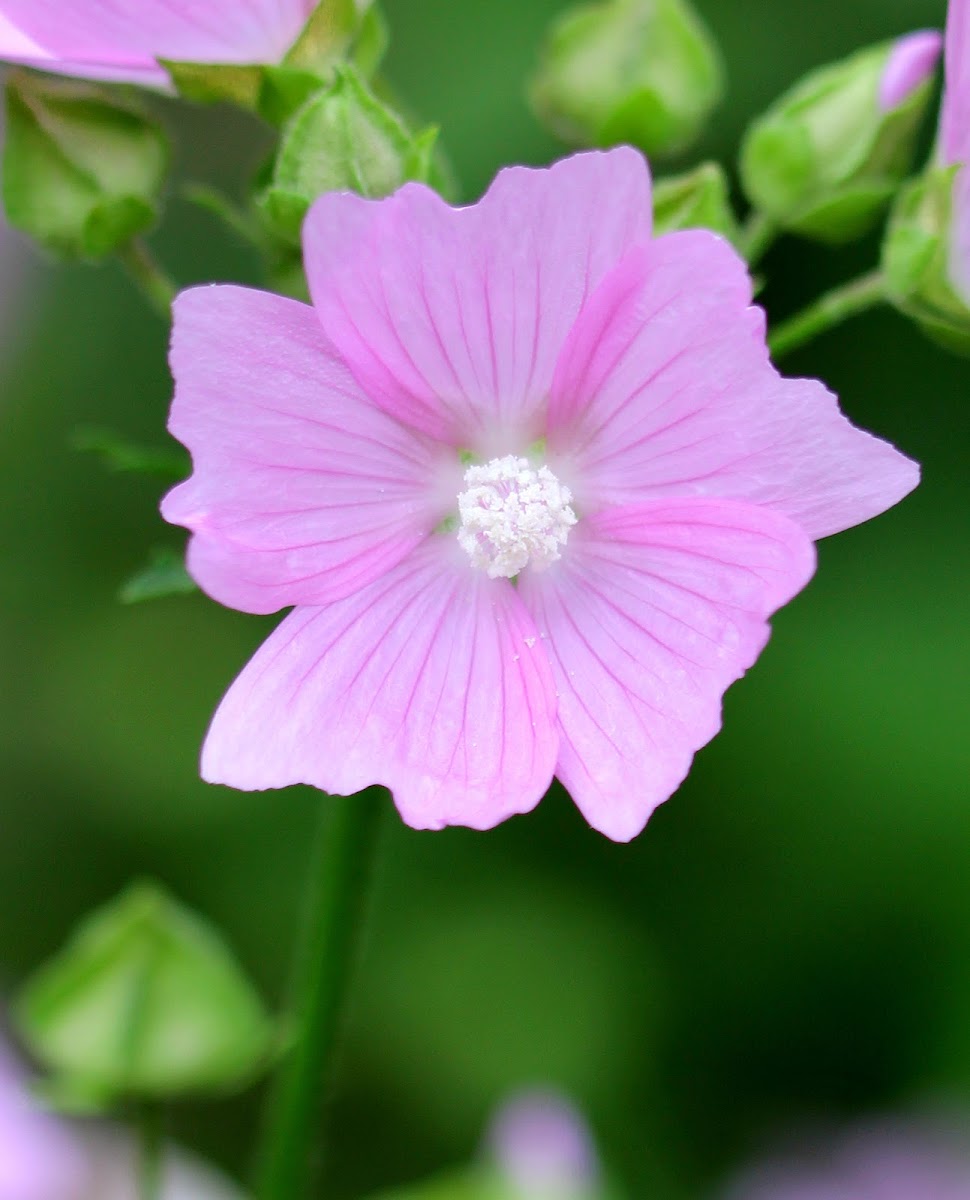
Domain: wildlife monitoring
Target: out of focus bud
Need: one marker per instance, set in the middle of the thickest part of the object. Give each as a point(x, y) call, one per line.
point(342, 139)
point(698, 199)
point(827, 158)
point(543, 1150)
point(82, 171)
point(144, 1001)
point(642, 72)
point(922, 259)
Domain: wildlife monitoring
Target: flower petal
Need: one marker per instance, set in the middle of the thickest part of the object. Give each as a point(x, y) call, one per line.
point(452, 318)
point(955, 116)
point(431, 681)
point(86, 36)
point(302, 490)
point(664, 387)
point(654, 611)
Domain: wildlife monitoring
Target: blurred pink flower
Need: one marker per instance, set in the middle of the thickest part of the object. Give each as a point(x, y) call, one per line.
point(912, 61)
point(43, 1157)
point(543, 1148)
point(122, 39)
point(39, 1159)
point(884, 1160)
point(529, 389)
point(954, 144)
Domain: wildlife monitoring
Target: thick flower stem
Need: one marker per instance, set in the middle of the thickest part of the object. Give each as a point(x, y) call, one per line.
point(827, 311)
point(339, 873)
point(155, 285)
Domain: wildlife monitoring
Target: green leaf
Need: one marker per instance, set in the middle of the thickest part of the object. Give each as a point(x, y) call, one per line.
point(83, 171)
point(145, 1001)
point(165, 575)
point(117, 453)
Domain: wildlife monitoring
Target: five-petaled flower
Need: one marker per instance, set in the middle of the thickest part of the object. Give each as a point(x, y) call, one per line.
point(123, 40)
point(530, 482)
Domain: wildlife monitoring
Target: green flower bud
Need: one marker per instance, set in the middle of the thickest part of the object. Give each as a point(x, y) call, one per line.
point(916, 260)
point(144, 1001)
point(644, 72)
point(827, 158)
point(82, 171)
point(698, 199)
point(342, 139)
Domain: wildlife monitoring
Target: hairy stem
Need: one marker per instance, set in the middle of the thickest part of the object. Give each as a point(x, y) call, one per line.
point(829, 310)
point(153, 282)
point(336, 888)
point(757, 236)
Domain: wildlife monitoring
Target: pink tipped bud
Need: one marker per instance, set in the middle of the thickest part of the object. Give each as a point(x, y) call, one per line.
point(911, 62)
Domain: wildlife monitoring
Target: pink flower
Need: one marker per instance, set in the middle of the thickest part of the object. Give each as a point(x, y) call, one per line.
point(39, 1159)
point(529, 389)
point(954, 145)
point(122, 39)
point(881, 1160)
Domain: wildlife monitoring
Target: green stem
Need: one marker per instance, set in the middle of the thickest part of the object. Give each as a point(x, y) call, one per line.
point(757, 236)
point(827, 311)
point(151, 1151)
point(155, 285)
point(340, 870)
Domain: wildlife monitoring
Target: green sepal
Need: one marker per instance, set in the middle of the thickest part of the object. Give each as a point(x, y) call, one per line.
point(643, 72)
point(373, 39)
point(326, 37)
point(343, 139)
point(336, 32)
point(145, 1002)
point(162, 576)
point(698, 199)
point(915, 260)
point(825, 161)
point(83, 170)
point(216, 83)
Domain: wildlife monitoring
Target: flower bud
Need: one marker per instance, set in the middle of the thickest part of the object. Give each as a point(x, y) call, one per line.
point(926, 277)
point(698, 199)
point(82, 171)
point(543, 1149)
point(342, 139)
point(644, 72)
point(826, 158)
point(144, 1001)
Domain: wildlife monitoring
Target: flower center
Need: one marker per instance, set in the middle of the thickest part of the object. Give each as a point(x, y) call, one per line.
point(513, 515)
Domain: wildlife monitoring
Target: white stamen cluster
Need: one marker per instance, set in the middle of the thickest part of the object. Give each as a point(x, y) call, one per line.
point(513, 515)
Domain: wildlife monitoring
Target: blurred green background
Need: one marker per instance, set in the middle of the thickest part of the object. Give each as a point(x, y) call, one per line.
point(791, 935)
